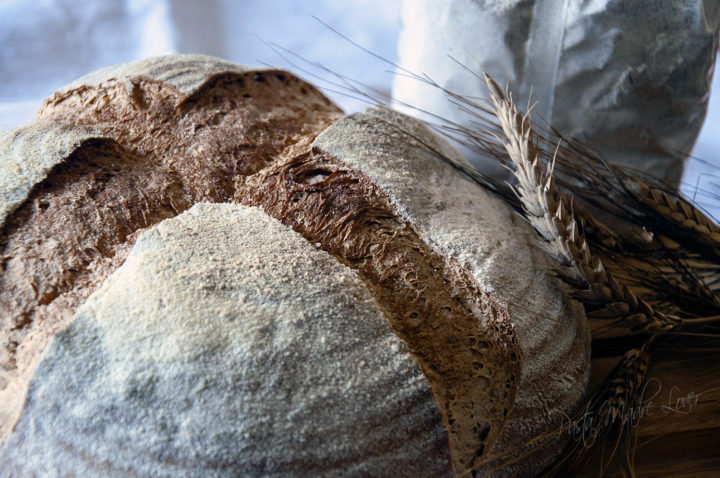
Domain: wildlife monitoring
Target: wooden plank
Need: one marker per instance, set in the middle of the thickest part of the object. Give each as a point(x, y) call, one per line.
point(678, 432)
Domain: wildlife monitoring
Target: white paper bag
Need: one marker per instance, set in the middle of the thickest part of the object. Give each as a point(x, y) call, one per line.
point(630, 76)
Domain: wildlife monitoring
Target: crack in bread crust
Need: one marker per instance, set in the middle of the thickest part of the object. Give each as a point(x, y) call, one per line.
point(170, 151)
point(234, 125)
point(246, 138)
point(461, 337)
point(77, 226)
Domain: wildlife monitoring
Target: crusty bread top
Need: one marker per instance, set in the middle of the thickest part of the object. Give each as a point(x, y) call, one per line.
point(185, 72)
point(76, 204)
point(28, 153)
point(227, 344)
point(454, 271)
point(461, 337)
point(461, 220)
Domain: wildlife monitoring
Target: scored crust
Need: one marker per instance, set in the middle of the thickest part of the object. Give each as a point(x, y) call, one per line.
point(246, 136)
point(228, 345)
point(496, 247)
point(86, 201)
point(460, 336)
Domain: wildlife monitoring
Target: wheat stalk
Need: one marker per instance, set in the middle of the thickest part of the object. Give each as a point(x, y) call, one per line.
point(679, 211)
point(612, 414)
point(550, 212)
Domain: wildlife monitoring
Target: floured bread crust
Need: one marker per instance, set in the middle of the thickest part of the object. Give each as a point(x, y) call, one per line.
point(459, 219)
point(228, 345)
point(73, 205)
point(77, 226)
point(461, 337)
point(188, 74)
point(454, 273)
point(47, 144)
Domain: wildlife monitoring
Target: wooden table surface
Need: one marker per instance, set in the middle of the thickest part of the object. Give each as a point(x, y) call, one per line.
point(678, 431)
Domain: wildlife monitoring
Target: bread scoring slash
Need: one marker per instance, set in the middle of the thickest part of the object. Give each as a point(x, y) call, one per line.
point(209, 270)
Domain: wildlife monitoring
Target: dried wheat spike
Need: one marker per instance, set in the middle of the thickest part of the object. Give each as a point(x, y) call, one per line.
point(619, 412)
point(679, 211)
point(605, 425)
point(626, 384)
point(595, 229)
point(550, 212)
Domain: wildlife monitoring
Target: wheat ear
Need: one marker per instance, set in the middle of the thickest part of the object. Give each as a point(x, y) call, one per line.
point(612, 414)
point(679, 212)
point(550, 212)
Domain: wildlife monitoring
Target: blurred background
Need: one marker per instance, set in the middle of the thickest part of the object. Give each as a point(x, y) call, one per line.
point(48, 43)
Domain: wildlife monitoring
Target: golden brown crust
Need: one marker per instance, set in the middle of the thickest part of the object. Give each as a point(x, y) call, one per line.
point(234, 125)
point(76, 228)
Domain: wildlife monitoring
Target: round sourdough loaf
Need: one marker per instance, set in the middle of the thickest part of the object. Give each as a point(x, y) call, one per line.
point(208, 270)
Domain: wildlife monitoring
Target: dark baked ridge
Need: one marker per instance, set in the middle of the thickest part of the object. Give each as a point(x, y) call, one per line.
point(471, 366)
point(432, 303)
point(252, 118)
point(77, 225)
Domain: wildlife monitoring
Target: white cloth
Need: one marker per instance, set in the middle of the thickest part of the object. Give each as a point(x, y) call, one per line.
point(46, 44)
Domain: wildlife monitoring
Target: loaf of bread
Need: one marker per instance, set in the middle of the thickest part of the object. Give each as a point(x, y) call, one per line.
point(209, 270)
